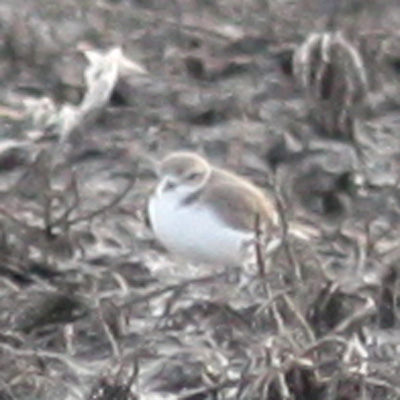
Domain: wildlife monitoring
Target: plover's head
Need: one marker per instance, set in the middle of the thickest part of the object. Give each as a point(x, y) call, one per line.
point(183, 173)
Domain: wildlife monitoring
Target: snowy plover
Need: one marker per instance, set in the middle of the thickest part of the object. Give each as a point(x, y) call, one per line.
point(207, 214)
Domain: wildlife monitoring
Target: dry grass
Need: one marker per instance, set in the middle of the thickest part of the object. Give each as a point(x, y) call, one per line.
point(91, 308)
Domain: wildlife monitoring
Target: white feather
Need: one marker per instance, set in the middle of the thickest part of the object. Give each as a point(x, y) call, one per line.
point(194, 231)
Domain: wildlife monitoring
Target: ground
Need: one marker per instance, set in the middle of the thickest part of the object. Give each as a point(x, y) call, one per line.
point(92, 307)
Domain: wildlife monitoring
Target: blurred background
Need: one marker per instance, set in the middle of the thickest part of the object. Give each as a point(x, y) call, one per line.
point(91, 306)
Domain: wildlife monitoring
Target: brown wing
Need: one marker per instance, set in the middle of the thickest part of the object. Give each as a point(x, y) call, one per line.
point(239, 204)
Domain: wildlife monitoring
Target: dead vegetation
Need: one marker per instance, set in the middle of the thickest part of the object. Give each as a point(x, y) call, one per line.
point(91, 308)
point(332, 73)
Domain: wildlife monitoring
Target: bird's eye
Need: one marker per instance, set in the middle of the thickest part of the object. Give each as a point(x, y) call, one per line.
point(193, 176)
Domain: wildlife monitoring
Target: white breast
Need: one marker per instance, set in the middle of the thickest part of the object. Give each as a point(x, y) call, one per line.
point(195, 232)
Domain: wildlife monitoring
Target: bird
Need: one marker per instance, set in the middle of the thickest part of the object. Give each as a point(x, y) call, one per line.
point(208, 214)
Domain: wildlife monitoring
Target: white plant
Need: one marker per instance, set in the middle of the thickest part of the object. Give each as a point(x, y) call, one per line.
point(101, 76)
point(331, 70)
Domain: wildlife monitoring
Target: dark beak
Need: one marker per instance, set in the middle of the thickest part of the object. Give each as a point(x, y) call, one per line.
point(169, 186)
